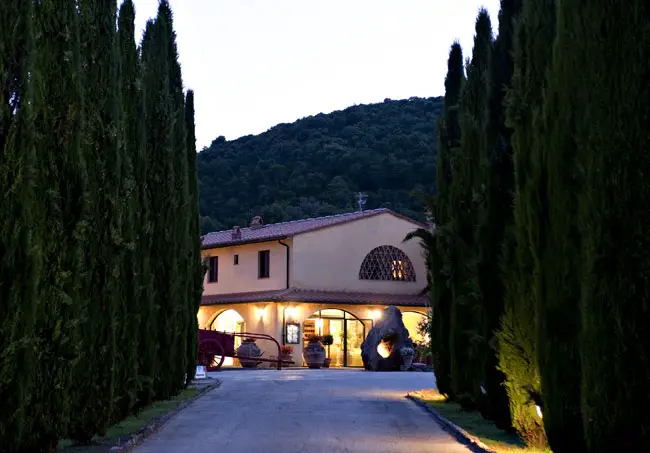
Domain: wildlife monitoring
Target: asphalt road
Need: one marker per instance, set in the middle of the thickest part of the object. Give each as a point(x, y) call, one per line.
point(306, 411)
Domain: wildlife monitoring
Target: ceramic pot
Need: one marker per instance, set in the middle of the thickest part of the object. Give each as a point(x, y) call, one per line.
point(408, 361)
point(249, 349)
point(314, 354)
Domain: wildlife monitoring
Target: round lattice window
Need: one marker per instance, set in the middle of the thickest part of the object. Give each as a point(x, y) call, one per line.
point(387, 263)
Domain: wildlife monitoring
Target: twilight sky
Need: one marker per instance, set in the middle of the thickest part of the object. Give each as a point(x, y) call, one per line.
point(256, 63)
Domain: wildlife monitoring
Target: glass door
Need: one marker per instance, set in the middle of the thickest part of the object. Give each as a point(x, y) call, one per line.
point(355, 334)
point(334, 327)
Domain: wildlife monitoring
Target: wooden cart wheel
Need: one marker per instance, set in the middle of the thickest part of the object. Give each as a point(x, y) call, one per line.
point(211, 355)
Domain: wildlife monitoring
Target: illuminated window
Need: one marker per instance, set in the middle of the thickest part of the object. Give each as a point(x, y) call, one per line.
point(387, 263)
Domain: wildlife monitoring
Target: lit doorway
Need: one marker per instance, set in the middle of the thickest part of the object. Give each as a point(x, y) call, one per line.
point(229, 321)
point(348, 333)
point(411, 321)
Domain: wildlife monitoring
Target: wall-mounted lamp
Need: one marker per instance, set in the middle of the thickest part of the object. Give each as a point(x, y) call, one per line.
point(261, 313)
point(375, 315)
point(292, 313)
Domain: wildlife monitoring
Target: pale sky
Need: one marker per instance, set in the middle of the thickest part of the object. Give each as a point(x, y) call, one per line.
point(256, 63)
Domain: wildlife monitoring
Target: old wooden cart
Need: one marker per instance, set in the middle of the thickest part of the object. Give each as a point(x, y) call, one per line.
point(215, 346)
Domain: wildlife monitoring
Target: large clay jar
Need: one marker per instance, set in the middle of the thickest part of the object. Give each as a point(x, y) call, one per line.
point(249, 349)
point(314, 354)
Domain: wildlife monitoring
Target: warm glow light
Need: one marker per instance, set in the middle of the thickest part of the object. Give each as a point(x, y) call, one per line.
point(319, 323)
point(382, 350)
point(261, 312)
point(539, 411)
point(375, 315)
point(292, 312)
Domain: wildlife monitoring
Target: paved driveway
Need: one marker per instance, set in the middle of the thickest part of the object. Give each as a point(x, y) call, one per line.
point(306, 411)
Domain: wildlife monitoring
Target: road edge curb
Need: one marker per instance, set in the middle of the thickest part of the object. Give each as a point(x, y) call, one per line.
point(456, 431)
point(158, 422)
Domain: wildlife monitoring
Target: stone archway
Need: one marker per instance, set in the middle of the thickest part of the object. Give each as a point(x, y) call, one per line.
point(229, 321)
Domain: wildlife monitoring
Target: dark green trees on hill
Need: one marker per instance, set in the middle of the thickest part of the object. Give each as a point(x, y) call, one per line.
point(314, 166)
point(84, 338)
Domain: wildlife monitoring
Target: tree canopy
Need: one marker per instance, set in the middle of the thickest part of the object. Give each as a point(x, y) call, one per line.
point(314, 166)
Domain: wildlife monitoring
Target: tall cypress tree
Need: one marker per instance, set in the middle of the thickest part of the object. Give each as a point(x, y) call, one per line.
point(19, 251)
point(468, 344)
point(61, 191)
point(95, 392)
point(162, 149)
point(180, 303)
point(441, 256)
point(149, 242)
point(558, 287)
point(612, 41)
point(517, 339)
point(495, 209)
point(130, 122)
point(195, 268)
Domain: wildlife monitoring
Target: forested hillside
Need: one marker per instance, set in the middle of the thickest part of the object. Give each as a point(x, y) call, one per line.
point(314, 166)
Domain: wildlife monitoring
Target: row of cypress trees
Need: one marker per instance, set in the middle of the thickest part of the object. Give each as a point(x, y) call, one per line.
point(100, 271)
point(539, 258)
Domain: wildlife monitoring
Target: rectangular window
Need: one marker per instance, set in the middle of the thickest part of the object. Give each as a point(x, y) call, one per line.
point(236, 260)
point(213, 272)
point(264, 263)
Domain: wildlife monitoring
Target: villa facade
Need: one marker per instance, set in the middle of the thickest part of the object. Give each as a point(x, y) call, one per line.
point(328, 275)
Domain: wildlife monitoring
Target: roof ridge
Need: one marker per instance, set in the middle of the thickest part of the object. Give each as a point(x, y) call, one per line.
point(308, 219)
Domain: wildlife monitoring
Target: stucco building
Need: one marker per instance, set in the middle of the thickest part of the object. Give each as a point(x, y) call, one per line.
point(328, 275)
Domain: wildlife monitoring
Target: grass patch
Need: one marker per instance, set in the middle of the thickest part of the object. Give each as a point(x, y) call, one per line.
point(135, 423)
point(475, 425)
point(121, 431)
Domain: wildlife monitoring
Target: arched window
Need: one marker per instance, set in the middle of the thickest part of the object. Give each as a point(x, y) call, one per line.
point(387, 263)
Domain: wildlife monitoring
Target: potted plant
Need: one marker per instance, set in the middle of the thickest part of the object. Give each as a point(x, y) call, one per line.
point(327, 340)
point(286, 351)
point(407, 354)
point(314, 352)
point(249, 349)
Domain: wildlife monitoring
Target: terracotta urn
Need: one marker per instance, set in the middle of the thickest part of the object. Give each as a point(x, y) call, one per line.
point(248, 348)
point(314, 354)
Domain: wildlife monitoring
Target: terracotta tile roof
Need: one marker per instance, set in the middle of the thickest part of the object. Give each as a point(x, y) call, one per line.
point(282, 230)
point(309, 295)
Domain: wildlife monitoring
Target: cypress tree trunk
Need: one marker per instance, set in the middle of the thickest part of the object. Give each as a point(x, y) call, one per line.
point(96, 373)
point(517, 339)
point(612, 40)
point(468, 343)
point(19, 252)
point(496, 209)
point(558, 315)
point(441, 257)
point(195, 267)
point(61, 191)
